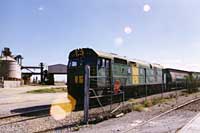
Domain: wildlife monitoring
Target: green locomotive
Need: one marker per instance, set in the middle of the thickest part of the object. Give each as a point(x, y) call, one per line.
point(106, 69)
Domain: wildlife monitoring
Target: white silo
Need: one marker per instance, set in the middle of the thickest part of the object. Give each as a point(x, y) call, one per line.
point(10, 70)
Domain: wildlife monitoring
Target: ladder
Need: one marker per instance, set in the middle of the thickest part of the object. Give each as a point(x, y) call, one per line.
point(1, 82)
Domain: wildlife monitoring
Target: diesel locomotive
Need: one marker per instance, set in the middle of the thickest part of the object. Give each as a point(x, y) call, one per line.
point(133, 76)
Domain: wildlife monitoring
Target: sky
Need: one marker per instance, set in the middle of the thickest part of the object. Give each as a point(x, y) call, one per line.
point(159, 31)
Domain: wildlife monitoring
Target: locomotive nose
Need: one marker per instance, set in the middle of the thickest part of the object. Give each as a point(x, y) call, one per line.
point(76, 84)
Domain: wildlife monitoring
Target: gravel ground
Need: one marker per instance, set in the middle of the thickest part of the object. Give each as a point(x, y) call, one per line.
point(112, 125)
point(134, 118)
point(171, 122)
point(39, 124)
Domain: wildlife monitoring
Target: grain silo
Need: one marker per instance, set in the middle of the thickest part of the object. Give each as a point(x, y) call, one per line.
point(10, 70)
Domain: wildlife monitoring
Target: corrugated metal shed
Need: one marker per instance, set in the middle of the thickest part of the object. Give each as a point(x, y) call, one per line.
point(57, 69)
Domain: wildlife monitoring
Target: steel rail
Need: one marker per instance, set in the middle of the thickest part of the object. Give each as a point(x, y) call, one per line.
point(26, 119)
point(162, 114)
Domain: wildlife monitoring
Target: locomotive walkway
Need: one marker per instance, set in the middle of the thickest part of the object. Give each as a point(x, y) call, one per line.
point(193, 126)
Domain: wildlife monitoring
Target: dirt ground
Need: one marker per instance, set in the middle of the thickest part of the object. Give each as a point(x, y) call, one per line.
point(14, 98)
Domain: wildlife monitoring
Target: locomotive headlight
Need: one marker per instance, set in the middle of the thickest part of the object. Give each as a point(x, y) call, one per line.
point(62, 107)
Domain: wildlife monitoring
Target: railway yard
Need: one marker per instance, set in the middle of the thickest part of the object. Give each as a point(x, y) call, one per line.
point(105, 92)
point(111, 66)
point(31, 116)
point(167, 117)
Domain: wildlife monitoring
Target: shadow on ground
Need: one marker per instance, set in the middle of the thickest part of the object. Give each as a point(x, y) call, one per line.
point(32, 111)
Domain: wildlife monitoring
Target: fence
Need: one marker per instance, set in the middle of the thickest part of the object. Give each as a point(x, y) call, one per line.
point(110, 102)
point(90, 94)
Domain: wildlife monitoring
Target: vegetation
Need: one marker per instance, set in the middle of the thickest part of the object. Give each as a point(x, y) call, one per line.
point(133, 101)
point(160, 100)
point(48, 90)
point(138, 107)
point(147, 103)
point(192, 84)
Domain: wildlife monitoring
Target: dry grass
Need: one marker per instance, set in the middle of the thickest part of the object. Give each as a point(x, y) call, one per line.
point(133, 101)
point(48, 90)
point(160, 100)
point(138, 107)
point(147, 103)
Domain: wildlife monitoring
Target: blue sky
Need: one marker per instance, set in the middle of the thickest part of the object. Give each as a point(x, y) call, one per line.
point(46, 30)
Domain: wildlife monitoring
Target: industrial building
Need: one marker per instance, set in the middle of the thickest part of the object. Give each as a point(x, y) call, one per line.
point(10, 69)
point(14, 74)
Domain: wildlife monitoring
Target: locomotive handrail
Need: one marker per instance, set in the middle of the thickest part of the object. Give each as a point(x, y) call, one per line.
point(97, 98)
point(112, 94)
point(108, 77)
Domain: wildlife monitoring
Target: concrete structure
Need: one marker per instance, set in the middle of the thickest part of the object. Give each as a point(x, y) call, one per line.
point(11, 84)
point(193, 126)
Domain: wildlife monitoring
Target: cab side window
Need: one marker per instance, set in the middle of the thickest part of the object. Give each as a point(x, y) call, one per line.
point(101, 63)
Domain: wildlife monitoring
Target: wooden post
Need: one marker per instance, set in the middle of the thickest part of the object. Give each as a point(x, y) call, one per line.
point(86, 93)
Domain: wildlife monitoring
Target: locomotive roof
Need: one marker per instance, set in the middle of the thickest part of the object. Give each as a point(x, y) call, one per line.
point(109, 55)
point(140, 62)
point(113, 55)
point(157, 65)
point(176, 70)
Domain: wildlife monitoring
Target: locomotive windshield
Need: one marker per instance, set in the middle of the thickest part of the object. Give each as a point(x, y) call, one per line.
point(75, 62)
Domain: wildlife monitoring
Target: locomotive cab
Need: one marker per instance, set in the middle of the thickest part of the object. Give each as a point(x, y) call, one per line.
point(76, 70)
point(100, 72)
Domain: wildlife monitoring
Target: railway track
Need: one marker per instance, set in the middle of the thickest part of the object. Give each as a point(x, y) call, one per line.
point(24, 116)
point(70, 127)
point(71, 124)
point(162, 114)
point(76, 124)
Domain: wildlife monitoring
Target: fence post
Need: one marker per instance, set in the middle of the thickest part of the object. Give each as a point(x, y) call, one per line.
point(145, 80)
point(86, 93)
point(162, 86)
point(176, 91)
